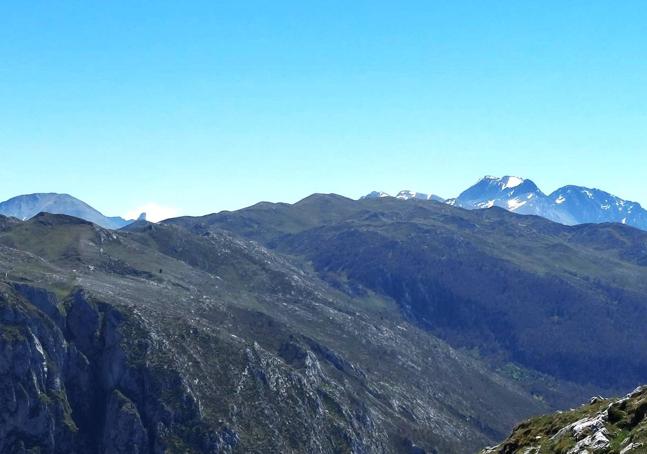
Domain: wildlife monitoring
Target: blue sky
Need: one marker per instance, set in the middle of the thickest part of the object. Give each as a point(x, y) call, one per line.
point(202, 106)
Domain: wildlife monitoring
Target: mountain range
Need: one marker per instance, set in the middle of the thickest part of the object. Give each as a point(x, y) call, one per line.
point(569, 205)
point(27, 206)
point(159, 339)
point(327, 325)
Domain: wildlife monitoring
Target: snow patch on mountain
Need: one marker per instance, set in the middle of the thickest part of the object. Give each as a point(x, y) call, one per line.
point(404, 195)
point(375, 195)
point(515, 204)
point(511, 182)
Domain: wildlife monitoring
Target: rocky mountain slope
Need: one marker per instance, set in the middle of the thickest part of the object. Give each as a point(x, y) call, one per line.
point(27, 206)
point(538, 300)
point(569, 205)
point(579, 205)
point(157, 339)
point(609, 426)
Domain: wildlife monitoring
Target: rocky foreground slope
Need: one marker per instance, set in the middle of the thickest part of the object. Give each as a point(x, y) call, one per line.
point(609, 426)
point(159, 340)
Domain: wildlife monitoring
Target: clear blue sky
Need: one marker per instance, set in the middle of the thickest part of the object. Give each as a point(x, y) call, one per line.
point(203, 106)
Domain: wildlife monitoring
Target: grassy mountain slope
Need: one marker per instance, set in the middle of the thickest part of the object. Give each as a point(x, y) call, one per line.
point(609, 426)
point(155, 339)
point(569, 302)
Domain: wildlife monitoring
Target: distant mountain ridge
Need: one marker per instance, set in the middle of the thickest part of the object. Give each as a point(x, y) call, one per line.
point(405, 195)
point(27, 206)
point(569, 205)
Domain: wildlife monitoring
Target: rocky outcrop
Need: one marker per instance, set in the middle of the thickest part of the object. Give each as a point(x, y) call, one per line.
point(34, 411)
point(80, 375)
point(71, 382)
point(123, 431)
point(616, 426)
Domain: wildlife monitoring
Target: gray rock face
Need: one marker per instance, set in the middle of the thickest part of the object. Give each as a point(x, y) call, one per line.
point(82, 387)
point(123, 432)
point(33, 410)
point(77, 387)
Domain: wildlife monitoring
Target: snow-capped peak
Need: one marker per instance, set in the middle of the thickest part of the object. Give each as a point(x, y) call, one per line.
point(375, 195)
point(404, 195)
point(511, 182)
point(506, 182)
point(407, 194)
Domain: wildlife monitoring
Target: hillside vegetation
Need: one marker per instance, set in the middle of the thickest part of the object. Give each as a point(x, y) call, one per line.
point(159, 340)
point(605, 426)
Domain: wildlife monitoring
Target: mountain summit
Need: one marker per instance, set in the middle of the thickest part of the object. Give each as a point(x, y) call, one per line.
point(27, 206)
point(512, 193)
